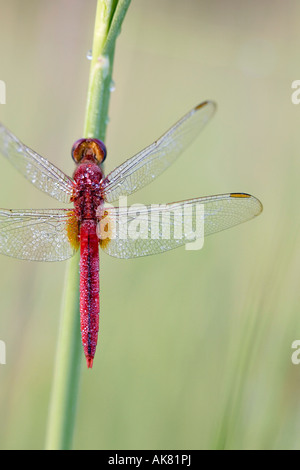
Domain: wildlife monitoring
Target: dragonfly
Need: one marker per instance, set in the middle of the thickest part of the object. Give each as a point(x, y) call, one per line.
point(92, 222)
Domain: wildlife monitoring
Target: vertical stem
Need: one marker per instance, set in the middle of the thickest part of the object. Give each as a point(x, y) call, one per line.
point(62, 412)
point(68, 364)
point(100, 74)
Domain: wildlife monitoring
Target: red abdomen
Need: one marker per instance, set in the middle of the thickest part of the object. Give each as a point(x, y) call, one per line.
point(87, 199)
point(89, 288)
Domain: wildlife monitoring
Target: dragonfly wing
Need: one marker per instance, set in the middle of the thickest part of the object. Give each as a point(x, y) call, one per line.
point(147, 230)
point(39, 171)
point(142, 168)
point(41, 235)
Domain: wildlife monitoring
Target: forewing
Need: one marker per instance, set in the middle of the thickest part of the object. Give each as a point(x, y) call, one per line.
point(38, 235)
point(142, 168)
point(39, 171)
point(159, 228)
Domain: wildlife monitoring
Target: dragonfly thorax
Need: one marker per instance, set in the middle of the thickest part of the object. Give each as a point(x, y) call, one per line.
point(87, 196)
point(88, 175)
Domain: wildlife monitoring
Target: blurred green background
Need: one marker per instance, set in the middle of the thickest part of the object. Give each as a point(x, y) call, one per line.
point(194, 349)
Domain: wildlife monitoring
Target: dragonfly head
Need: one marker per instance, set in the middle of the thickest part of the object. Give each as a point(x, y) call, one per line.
point(89, 150)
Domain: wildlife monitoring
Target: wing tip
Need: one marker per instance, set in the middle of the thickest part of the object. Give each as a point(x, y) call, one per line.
point(249, 196)
point(240, 195)
point(210, 103)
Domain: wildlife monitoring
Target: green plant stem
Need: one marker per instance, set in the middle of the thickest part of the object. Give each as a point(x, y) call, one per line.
point(62, 413)
point(68, 364)
point(109, 17)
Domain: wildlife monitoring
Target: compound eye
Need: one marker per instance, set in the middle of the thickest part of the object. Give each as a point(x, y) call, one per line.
point(89, 149)
point(77, 151)
point(102, 152)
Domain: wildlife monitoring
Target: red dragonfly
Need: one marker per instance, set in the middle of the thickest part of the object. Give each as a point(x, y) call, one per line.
point(56, 234)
